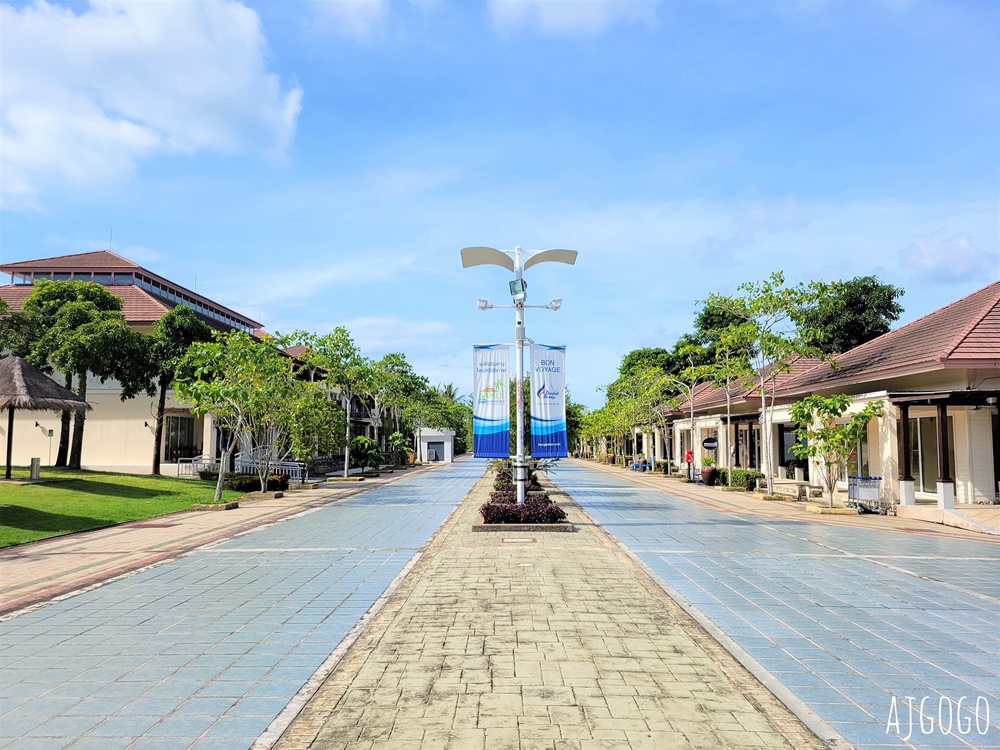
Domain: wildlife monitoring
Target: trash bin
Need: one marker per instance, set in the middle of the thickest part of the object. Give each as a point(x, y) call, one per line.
point(35, 467)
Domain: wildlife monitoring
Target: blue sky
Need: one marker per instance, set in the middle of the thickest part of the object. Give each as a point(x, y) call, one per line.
point(316, 164)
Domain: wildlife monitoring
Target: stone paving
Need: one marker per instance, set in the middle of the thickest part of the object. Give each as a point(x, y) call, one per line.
point(848, 620)
point(205, 650)
point(512, 640)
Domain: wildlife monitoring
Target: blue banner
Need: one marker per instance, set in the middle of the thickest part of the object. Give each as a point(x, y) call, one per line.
point(491, 401)
point(548, 401)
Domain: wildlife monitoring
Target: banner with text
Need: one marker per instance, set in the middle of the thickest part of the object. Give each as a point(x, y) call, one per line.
point(548, 401)
point(491, 403)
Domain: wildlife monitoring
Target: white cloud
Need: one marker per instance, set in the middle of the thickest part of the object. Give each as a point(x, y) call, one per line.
point(571, 16)
point(351, 17)
point(87, 95)
point(379, 335)
point(936, 258)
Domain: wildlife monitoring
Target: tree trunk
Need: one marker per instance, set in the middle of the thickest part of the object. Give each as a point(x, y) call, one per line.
point(158, 434)
point(79, 418)
point(765, 439)
point(63, 453)
point(347, 443)
point(222, 475)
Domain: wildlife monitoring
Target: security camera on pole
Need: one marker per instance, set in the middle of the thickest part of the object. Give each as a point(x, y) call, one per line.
point(518, 261)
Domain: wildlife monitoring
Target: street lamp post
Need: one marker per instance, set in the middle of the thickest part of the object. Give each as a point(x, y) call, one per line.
point(514, 260)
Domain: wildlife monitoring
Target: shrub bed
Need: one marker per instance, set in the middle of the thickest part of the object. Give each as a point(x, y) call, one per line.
point(743, 479)
point(246, 482)
point(537, 508)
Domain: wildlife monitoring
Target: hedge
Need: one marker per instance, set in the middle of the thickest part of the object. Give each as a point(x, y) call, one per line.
point(246, 482)
point(744, 479)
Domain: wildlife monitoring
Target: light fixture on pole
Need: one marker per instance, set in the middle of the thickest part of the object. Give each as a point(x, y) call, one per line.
point(517, 260)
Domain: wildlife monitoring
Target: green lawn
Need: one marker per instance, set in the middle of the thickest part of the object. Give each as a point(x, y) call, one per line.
point(91, 499)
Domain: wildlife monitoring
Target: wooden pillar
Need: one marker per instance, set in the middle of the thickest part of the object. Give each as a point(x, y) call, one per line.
point(906, 485)
point(10, 438)
point(945, 483)
point(904, 443)
point(944, 470)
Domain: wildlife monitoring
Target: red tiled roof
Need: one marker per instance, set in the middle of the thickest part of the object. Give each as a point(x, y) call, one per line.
point(102, 260)
point(715, 395)
point(965, 333)
point(297, 351)
point(138, 305)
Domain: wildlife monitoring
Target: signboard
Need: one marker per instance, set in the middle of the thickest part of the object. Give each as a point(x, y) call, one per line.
point(710, 443)
point(548, 401)
point(491, 401)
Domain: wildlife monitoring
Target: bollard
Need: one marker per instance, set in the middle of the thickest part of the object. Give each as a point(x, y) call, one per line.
point(35, 470)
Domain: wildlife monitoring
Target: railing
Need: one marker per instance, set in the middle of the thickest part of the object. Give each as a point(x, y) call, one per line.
point(244, 463)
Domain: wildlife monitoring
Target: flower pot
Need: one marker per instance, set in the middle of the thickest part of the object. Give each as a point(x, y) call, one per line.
point(708, 475)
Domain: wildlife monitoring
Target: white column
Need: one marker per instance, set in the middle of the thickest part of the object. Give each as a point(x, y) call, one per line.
point(906, 492)
point(946, 495)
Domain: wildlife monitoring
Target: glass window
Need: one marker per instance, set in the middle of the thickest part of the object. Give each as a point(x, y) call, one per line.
point(178, 438)
point(858, 464)
point(123, 279)
point(83, 276)
point(25, 278)
point(60, 276)
point(102, 278)
point(924, 452)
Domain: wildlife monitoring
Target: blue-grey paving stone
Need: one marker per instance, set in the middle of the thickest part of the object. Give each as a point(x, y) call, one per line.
point(124, 726)
point(871, 613)
point(252, 616)
point(65, 726)
point(101, 743)
point(239, 726)
point(18, 726)
point(39, 743)
point(219, 743)
point(189, 726)
point(156, 743)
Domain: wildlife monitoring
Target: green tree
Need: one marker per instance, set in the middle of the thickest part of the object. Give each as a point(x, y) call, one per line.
point(78, 328)
point(771, 334)
point(828, 438)
point(574, 421)
point(339, 360)
point(732, 372)
point(317, 424)
point(169, 341)
point(248, 386)
point(385, 382)
point(366, 452)
point(854, 312)
point(643, 359)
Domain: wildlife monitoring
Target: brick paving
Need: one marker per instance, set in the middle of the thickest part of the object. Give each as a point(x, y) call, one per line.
point(548, 641)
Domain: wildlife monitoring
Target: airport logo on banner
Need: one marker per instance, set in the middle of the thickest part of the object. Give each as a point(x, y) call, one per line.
point(491, 405)
point(548, 401)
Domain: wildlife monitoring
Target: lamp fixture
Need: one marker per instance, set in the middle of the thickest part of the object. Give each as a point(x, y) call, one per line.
point(37, 425)
point(555, 304)
point(483, 304)
point(991, 400)
point(145, 424)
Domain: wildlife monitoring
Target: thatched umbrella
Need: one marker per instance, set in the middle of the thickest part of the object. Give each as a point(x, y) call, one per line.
point(22, 386)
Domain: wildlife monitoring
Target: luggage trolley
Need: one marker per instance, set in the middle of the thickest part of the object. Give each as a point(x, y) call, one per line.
point(865, 494)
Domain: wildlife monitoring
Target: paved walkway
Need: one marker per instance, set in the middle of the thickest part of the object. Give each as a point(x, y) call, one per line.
point(205, 650)
point(547, 641)
point(847, 620)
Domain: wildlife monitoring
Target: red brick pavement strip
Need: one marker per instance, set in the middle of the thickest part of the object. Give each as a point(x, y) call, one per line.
point(44, 570)
point(744, 503)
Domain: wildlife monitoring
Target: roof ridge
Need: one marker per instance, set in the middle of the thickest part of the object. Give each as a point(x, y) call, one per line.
point(987, 309)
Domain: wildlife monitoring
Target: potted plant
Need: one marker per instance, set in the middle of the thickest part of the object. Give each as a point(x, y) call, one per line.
point(708, 470)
